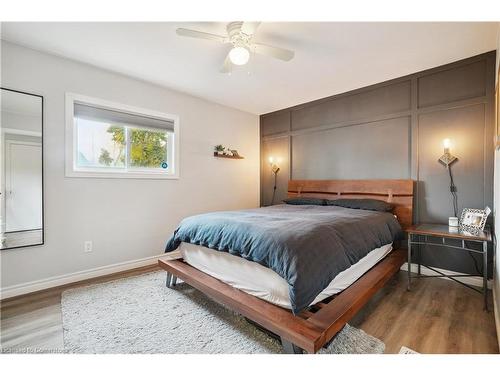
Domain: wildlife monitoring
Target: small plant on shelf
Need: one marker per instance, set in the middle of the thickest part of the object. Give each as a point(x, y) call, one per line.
point(219, 149)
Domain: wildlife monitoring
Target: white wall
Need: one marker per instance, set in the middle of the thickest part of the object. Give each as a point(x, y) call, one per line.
point(126, 219)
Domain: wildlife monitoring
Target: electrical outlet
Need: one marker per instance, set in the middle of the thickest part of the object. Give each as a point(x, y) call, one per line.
point(87, 246)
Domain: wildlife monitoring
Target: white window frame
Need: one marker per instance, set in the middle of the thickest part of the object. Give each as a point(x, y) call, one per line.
point(71, 145)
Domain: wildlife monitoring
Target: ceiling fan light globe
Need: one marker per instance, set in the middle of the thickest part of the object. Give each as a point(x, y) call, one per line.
point(239, 55)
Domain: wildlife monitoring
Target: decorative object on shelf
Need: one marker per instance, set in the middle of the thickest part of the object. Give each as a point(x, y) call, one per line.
point(225, 152)
point(275, 169)
point(474, 220)
point(447, 159)
point(219, 149)
point(234, 152)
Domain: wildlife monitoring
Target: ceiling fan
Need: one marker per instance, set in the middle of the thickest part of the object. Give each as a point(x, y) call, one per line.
point(240, 35)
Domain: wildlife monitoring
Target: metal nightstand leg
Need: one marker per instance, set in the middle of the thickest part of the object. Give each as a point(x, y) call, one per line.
point(409, 262)
point(419, 250)
point(485, 274)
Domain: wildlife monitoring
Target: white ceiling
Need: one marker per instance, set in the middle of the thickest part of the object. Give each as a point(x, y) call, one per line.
point(330, 58)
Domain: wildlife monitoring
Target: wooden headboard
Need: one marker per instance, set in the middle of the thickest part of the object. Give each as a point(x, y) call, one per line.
point(397, 192)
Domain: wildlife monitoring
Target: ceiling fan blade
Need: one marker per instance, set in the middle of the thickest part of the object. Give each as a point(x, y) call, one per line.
point(201, 35)
point(276, 52)
point(227, 67)
point(249, 28)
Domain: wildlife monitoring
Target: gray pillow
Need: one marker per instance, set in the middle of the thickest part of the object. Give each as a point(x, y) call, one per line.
point(304, 201)
point(362, 204)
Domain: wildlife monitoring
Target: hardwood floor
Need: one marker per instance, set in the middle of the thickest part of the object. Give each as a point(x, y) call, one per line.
point(437, 316)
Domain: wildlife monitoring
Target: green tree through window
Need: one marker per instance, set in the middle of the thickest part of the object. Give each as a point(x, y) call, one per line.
point(105, 158)
point(118, 133)
point(147, 147)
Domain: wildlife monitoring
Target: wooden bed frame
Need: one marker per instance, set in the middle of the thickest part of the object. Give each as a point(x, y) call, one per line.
point(315, 327)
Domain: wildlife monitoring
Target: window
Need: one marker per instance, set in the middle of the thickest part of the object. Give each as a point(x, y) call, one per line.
point(111, 140)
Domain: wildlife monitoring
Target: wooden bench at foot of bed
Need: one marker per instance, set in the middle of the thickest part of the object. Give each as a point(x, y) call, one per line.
point(311, 329)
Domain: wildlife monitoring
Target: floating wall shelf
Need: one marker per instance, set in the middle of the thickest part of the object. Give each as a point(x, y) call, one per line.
point(228, 156)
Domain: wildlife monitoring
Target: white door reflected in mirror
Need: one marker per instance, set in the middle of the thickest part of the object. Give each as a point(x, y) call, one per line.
point(21, 199)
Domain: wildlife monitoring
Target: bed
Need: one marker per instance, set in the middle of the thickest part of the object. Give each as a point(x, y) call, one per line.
point(270, 265)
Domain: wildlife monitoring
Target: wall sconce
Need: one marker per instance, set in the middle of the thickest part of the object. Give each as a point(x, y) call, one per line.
point(447, 159)
point(274, 166)
point(275, 169)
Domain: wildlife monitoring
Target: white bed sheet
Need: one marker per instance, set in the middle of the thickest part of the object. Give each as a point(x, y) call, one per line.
point(264, 283)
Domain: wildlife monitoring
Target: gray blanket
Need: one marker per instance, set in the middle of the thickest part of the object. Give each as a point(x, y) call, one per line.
point(306, 245)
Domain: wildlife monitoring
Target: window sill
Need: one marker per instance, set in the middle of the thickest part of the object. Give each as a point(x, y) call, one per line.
point(130, 175)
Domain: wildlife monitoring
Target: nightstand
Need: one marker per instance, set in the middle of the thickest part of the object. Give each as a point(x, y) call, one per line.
point(420, 234)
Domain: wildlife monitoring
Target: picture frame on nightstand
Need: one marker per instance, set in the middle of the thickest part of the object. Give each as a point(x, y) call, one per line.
point(473, 220)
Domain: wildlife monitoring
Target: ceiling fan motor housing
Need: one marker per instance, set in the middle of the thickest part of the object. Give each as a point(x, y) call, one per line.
point(237, 37)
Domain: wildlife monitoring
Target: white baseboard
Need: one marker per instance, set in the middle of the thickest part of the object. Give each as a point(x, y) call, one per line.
point(470, 280)
point(50, 282)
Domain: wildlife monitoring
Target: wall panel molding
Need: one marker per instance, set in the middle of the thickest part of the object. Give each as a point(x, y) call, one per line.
point(457, 83)
point(376, 101)
point(340, 125)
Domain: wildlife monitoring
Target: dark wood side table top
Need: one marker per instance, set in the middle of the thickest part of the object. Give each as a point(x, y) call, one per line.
point(443, 230)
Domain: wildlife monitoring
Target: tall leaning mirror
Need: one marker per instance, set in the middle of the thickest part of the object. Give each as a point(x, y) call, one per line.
point(21, 177)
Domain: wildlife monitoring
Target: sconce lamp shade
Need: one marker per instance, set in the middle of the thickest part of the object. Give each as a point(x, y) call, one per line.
point(447, 143)
point(447, 158)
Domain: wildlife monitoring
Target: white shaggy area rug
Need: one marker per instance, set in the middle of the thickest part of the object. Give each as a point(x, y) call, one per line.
point(140, 315)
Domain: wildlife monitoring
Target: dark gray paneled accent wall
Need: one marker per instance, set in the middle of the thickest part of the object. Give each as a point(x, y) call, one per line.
point(363, 105)
point(356, 143)
point(395, 129)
